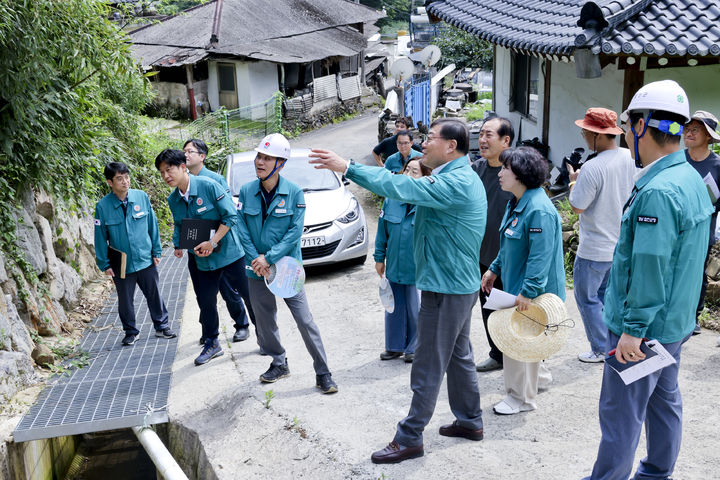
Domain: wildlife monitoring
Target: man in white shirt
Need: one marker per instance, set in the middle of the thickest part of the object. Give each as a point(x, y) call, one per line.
point(598, 192)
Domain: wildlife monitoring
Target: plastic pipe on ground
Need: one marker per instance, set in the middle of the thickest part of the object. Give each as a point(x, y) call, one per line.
point(164, 462)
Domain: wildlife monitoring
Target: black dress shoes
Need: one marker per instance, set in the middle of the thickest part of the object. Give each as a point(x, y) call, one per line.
point(396, 453)
point(387, 355)
point(455, 430)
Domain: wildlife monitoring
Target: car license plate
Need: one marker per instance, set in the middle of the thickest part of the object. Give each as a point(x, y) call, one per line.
point(312, 241)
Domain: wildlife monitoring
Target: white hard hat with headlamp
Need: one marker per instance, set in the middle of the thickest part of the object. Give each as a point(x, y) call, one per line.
point(666, 96)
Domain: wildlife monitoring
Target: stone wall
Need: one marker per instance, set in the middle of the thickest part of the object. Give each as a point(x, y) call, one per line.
point(58, 243)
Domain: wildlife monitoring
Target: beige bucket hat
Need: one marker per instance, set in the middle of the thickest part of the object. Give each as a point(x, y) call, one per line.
point(532, 335)
point(710, 122)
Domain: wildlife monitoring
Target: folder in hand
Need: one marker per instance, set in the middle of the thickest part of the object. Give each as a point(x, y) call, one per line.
point(118, 261)
point(194, 231)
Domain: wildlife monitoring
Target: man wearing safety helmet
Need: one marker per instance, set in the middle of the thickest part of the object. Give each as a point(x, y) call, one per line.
point(271, 211)
point(653, 287)
point(220, 256)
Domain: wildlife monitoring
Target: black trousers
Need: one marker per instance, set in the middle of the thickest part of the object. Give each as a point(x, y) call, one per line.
point(147, 279)
point(207, 284)
point(495, 352)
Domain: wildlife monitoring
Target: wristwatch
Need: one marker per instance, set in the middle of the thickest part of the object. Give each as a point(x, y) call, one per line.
point(214, 244)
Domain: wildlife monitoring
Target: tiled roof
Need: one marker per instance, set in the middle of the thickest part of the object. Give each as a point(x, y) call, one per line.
point(281, 31)
point(647, 27)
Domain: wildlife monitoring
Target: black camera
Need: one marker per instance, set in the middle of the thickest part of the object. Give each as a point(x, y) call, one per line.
point(575, 158)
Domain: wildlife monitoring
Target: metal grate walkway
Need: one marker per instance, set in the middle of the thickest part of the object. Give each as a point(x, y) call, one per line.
point(116, 388)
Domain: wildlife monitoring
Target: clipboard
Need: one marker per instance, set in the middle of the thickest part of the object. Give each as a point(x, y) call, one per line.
point(194, 231)
point(118, 261)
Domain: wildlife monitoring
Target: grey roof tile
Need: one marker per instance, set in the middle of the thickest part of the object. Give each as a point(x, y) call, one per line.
point(649, 27)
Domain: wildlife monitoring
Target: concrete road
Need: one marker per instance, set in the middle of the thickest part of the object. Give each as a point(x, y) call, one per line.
point(289, 430)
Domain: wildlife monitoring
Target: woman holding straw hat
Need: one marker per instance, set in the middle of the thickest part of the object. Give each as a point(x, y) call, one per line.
point(393, 249)
point(530, 262)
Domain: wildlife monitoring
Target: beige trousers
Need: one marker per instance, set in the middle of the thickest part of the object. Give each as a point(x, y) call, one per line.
point(522, 380)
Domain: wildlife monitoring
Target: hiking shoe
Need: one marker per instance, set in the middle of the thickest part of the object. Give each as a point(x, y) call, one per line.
point(165, 333)
point(697, 330)
point(325, 383)
point(591, 357)
point(241, 334)
point(129, 339)
point(409, 357)
point(211, 350)
point(275, 373)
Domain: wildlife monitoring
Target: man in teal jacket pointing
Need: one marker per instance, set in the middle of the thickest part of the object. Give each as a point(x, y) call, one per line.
point(449, 228)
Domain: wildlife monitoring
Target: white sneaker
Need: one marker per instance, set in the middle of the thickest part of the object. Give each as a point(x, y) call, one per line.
point(591, 357)
point(507, 407)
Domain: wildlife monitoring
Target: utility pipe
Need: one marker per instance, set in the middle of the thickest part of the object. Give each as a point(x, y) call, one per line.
point(159, 454)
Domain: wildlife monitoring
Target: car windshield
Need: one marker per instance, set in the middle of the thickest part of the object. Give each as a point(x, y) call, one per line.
point(297, 170)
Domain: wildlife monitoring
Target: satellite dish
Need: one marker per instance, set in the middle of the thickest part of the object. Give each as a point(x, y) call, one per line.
point(431, 55)
point(402, 69)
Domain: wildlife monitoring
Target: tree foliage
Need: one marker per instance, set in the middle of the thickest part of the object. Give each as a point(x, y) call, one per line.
point(463, 49)
point(69, 94)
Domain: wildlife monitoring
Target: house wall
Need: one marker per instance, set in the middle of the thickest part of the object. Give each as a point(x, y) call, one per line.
point(570, 97)
point(525, 127)
point(256, 82)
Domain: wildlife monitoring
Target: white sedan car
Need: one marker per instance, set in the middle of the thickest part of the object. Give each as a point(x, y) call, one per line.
point(335, 227)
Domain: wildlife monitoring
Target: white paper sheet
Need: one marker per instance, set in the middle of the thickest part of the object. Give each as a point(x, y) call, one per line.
point(712, 187)
point(641, 369)
point(554, 174)
point(498, 300)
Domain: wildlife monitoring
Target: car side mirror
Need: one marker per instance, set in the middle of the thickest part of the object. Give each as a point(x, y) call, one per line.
point(345, 181)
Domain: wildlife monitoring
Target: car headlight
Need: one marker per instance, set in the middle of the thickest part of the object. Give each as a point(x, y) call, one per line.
point(352, 214)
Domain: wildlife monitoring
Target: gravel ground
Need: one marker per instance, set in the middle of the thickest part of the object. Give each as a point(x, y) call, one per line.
point(299, 433)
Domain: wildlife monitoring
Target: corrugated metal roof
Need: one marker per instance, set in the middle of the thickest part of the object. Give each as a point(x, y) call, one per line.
point(647, 27)
point(281, 31)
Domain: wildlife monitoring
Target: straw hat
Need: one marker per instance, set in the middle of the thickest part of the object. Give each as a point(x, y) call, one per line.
point(532, 335)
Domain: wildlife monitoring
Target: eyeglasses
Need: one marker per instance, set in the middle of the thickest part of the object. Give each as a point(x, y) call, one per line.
point(404, 143)
point(432, 137)
point(693, 130)
point(190, 151)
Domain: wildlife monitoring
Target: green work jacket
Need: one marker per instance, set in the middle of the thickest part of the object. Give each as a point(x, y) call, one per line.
point(396, 162)
point(530, 260)
point(394, 241)
point(449, 221)
point(279, 235)
point(206, 172)
point(208, 201)
point(657, 267)
point(135, 233)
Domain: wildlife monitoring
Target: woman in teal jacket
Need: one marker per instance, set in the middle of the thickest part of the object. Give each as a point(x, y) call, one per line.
point(394, 259)
point(530, 262)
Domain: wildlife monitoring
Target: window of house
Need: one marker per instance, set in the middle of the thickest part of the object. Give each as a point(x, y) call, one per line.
point(525, 84)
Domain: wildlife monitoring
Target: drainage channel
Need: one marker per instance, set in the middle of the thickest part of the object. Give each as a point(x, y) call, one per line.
point(120, 388)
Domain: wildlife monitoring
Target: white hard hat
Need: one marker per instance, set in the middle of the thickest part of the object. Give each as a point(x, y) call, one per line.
point(664, 95)
point(274, 145)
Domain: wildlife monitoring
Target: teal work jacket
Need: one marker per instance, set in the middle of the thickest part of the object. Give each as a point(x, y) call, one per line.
point(206, 172)
point(656, 274)
point(396, 162)
point(449, 221)
point(530, 260)
point(394, 241)
point(208, 201)
point(279, 235)
point(136, 233)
